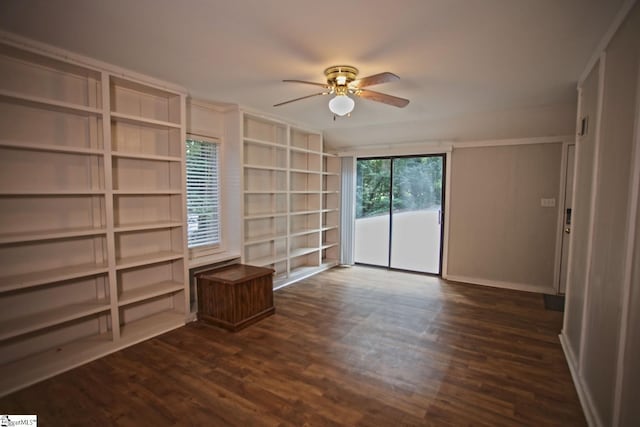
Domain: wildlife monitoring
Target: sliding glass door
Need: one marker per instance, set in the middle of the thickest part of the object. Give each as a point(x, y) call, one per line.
point(373, 187)
point(399, 212)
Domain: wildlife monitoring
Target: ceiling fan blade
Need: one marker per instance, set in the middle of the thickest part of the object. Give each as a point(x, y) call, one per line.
point(382, 97)
point(324, 85)
point(301, 98)
point(375, 79)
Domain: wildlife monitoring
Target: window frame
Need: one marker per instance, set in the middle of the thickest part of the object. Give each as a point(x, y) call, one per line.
point(210, 249)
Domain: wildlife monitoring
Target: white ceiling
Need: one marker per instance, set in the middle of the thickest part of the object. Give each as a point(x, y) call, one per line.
point(473, 69)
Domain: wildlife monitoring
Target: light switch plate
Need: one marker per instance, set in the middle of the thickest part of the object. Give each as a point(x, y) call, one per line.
point(548, 203)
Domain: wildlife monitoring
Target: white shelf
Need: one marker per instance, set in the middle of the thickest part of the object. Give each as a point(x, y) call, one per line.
point(301, 273)
point(213, 259)
point(146, 89)
point(267, 143)
point(302, 233)
point(143, 192)
point(267, 215)
point(156, 324)
point(142, 156)
point(50, 235)
point(136, 120)
point(146, 226)
point(294, 253)
point(267, 192)
point(259, 262)
point(266, 168)
point(308, 212)
point(330, 210)
point(330, 174)
point(140, 260)
point(305, 192)
point(329, 227)
point(264, 239)
point(305, 150)
point(31, 279)
point(150, 291)
point(329, 245)
point(10, 193)
point(23, 325)
point(49, 104)
point(40, 366)
point(309, 172)
point(19, 145)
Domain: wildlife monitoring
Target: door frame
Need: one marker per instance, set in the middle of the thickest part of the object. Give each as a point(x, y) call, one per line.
point(561, 212)
point(443, 211)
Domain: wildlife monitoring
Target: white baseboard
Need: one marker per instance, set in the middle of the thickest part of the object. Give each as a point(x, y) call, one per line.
point(590, 412)
point(505, 285)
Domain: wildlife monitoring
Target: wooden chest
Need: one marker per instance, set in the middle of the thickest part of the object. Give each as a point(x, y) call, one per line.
point(236, 296)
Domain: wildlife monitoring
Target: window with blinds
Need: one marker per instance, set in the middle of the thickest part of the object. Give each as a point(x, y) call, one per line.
point(203, 194)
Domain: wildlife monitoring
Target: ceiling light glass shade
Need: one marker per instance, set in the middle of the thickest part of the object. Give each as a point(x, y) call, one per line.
point(341, 105)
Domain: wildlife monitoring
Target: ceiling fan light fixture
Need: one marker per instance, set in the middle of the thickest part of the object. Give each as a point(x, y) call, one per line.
point(341, 82)
point(341, 105)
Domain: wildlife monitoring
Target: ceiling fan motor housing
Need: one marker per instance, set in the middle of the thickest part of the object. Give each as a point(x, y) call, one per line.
point(340, 75)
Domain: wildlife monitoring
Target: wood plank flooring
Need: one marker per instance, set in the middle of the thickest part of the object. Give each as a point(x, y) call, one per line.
point(349, 347)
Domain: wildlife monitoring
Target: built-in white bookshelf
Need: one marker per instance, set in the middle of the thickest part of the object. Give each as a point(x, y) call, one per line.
point(331, 210)
point(147, 133)
point(92, 222)
point(291, 189)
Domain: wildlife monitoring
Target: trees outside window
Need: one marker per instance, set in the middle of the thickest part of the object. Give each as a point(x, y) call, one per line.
point(417, 185)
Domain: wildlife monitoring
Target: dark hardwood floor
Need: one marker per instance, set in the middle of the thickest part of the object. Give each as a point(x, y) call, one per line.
point(356, 346)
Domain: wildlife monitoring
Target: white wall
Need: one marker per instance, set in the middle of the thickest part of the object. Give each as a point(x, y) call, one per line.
point(600, 333)
point(550, 120)
point(499, 234)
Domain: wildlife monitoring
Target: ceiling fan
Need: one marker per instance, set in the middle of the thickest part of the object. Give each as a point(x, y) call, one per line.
point(341, 81)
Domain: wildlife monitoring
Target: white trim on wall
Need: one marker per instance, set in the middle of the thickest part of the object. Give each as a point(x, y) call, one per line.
point(438, 147)
point(584, 396)
point(576, 165)
point(514, 141)
point(500, 284)
point(592, 208)
point(447, 207)
point(348, 210)
point(220, 107)
point(384, 150)
point(634, 190)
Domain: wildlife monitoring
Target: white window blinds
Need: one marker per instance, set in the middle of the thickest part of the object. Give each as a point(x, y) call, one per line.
point(203, 193)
